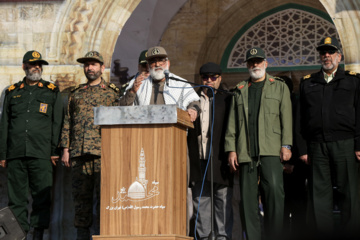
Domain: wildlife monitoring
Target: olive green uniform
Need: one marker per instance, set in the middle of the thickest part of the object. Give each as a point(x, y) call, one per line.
point(260, 122)
point(29, 134)
point(83, 139)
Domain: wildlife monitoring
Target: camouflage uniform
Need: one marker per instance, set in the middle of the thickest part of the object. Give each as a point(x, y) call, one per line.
point(83, 139)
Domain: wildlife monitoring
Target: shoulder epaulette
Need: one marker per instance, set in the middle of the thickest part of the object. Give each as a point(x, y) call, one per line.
point(352, 73)
point(279, 79)
point(113, 86)
point(125, 85)
point(12, 87)
point(51, 86)
point(306, 77)
point(76, 87)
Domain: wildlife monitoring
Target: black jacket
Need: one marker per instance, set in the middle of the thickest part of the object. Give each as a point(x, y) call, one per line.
point(330, 111)
point(222, 173)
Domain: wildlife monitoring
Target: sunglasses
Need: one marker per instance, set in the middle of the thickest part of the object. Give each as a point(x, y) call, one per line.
point(206, 77)
point(331, 52)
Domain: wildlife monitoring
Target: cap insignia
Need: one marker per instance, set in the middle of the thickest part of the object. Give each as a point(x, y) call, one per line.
point(327, 40)
point(253, 51)
point(36, 54)
point(155, 51)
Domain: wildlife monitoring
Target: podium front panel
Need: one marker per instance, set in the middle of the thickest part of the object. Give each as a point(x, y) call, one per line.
point(143, 180)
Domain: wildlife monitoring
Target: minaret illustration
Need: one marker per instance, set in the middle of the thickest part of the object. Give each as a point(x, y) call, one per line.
point(138, 189)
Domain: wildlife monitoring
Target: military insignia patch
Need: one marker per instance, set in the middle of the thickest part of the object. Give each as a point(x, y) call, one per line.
point(352, 73)
point(155, 51)
point(113, 86)
point(271, 79)
point(51, 86)
point(22, 85)
point(40, 84)
point(43, 107)
point(12, 87)
point(307, 76)
point(327, 40)
point(249, 84)
point(241, 87)
point(36, 54)
point(253, 51)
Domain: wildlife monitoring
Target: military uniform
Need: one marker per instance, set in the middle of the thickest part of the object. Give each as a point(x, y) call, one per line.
point(83, 139)
point(29, 134)
point(330, 114)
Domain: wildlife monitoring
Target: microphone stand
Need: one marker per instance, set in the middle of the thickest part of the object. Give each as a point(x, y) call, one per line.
point(212, 235)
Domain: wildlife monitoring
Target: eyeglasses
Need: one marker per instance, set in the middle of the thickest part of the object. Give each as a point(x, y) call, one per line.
point(212, 78)
point(331, 52)
point(161, 61)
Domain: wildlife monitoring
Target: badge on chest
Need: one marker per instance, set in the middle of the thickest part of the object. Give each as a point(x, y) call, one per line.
point(43, 107)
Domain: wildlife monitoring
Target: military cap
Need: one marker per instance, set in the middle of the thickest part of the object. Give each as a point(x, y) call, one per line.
point(255, 52)
point(91, 56)
point(34, 56)
point(210, 68)
point(142, 57)
point(328, 42)
point(156, 52)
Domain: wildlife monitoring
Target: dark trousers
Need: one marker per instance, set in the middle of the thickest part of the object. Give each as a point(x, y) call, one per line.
point(86, 179)
point(32, 174)
point(270, 172)
point(223, 216)
point(334, 168)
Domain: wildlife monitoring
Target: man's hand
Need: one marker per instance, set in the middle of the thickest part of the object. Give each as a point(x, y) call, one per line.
point(288, 168)
point(233, 162)
point(138, 81)
point(305, 159)
point(285, 154)
point(65, 159)
point(54, 159)
point(3, 163)
point(192, 114)
point(357, 154)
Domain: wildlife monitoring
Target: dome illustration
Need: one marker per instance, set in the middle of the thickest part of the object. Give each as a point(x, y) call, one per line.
point(136, 190)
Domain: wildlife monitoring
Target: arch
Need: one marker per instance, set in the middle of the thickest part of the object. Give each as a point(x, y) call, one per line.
point(288, 34)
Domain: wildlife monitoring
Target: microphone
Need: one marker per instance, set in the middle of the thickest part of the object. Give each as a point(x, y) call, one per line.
point(166, 72)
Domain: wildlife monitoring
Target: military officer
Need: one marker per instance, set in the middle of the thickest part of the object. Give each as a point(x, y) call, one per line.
point(81, 139)
point(258, 139)
point(330, 113)
point(29, 135)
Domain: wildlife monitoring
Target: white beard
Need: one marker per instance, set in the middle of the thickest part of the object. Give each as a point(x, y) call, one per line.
point(257, 73)
point(157, 73)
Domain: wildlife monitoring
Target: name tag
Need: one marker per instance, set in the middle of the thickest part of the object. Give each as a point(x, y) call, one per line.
point(43, 107)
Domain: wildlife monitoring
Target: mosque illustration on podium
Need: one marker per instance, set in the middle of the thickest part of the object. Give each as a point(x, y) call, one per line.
point(138, 190)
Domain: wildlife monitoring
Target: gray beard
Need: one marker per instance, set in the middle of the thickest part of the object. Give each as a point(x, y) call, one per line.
point(33, 76)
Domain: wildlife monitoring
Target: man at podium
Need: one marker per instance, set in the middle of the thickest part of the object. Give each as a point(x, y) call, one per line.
point(159, 89)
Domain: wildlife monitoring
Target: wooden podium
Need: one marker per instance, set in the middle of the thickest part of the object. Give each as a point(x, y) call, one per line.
point(143, 172)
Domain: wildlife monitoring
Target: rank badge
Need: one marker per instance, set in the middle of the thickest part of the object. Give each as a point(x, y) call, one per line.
point(43, 107)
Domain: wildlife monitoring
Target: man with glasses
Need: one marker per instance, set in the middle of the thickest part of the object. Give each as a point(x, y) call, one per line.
point(330, 123)
point(29, 136)
point(258, 139)
point(199, 140)
point(156, 90)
